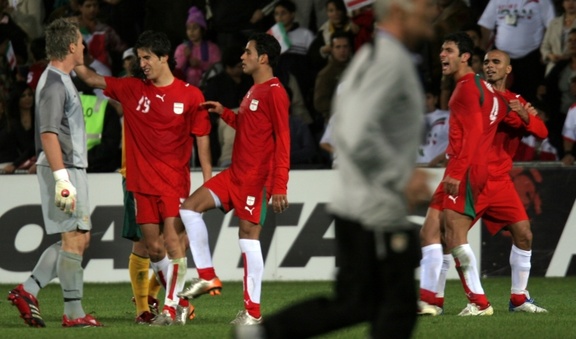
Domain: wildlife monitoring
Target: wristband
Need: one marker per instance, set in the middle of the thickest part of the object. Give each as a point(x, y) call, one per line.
point(61, 174)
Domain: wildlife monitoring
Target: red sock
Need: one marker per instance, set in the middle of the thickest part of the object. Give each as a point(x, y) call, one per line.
point(517, 299)
point(206, 273)
point(252, 308)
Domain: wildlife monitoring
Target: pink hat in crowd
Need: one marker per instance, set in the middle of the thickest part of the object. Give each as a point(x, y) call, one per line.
point(195, 16)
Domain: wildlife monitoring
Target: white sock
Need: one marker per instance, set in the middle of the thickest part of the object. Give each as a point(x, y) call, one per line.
point(469, 268)
point(160, 268)
point(520, 265)
point(430, 267)
point(198, 238)
point(253, 268)
point(175, 281)
point(446, 260)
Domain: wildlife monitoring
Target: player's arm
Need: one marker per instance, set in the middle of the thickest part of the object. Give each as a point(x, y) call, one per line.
point(279, 117)
point(204, 155)
point(90, 77)
point(535, 126)
point(226, 114)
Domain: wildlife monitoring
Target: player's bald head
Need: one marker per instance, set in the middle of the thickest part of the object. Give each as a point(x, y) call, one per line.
point(498, 54)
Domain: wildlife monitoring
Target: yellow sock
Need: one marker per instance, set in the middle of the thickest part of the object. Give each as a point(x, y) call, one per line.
point(153, 286)
point(138, 268)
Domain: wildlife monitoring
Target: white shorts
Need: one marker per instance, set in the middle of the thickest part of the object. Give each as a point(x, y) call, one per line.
point(55, 220)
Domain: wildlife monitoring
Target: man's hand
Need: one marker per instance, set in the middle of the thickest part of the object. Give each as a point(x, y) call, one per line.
point(65, 197)
point(279, 202)
point(213, 107)
point(522, 111)
point(451, 185)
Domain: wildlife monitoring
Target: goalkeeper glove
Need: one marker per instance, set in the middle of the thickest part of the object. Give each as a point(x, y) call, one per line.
point(65, 197)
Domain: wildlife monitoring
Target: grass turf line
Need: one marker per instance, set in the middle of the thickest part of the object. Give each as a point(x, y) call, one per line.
point(110, 304)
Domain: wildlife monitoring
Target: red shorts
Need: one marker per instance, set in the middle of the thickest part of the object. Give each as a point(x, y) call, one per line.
point(249, 202)
point(464, 202)
point(153, 209)
point(499, 205)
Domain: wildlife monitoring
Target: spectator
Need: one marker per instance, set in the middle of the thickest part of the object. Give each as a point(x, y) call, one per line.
point(29, 15)
point(103, 43)
point(557, 95)
point(433, 149)
point(569, 130)
point(478, 61)
point(21, 110)
point(328, 78)
point(196, 55)
point(15, 34)
point(228, 88)
point(234, 21)
point(302, 146)
point(295, 60)
point(555, 43)
point(305, 9)
point(338, 21)
point(521, 25)
point(39, 62)
point(474, 32)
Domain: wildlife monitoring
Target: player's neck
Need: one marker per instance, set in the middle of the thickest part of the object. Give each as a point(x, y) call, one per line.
point(262, 75)
point(462, 72)
point(499, 86)
point(63, 65)
point(163, 80)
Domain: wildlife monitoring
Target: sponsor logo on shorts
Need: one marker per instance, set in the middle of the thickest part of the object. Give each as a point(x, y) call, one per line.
point(250, 200)
point(249, 209)
point(453, 198)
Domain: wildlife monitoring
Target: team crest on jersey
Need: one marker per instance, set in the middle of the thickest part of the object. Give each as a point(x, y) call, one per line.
point(250, 200)
point(254, 104)
point(178, 107)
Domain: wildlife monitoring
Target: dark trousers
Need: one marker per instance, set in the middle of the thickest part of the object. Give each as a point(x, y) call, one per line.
point(375, 284)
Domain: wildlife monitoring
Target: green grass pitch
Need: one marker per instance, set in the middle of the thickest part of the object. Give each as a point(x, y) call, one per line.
point(110, 304)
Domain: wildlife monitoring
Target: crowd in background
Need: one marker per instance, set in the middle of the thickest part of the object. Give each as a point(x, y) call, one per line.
point(208, 38)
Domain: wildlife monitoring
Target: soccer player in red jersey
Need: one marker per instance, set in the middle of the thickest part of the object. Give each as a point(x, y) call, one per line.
point(475, 112)
point(162, 114)
point(499, 204)
point(259, 169)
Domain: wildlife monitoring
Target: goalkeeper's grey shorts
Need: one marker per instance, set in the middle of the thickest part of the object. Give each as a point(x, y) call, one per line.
point(55, 220)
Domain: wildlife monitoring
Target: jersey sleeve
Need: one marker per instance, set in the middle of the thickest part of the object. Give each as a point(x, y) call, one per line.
point(51, 103)
point(279, 116)
point(468, 111)
point(537, 127)
point(200, 119)
point(229, 117)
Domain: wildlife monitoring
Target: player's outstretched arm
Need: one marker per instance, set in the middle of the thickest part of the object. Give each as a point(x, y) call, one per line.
point(90, 77)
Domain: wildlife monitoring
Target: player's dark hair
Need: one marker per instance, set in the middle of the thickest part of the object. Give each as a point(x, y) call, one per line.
point(157, 43)
point(267, 44)
point(464, 43)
